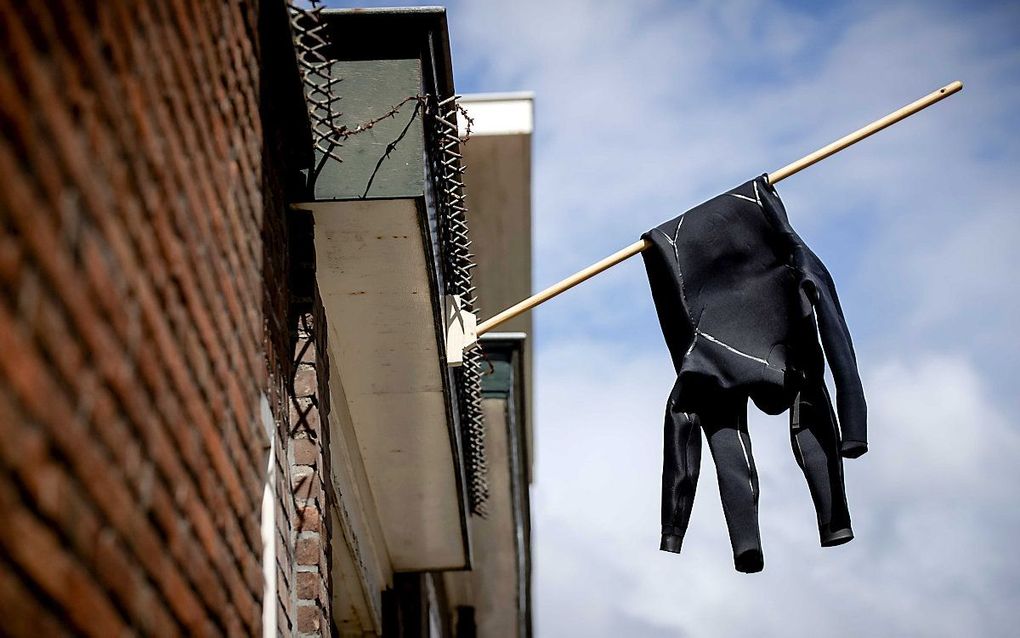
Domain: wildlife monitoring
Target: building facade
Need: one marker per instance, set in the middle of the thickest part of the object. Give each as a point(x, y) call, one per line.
point(229, 234)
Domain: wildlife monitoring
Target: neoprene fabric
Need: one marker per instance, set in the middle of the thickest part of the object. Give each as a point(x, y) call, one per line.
point(748, 311)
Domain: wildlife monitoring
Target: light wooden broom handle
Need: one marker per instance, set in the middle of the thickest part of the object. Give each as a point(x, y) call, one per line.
point(773, 177)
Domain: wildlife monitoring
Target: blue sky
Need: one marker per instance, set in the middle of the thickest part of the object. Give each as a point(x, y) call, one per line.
point(645, 108)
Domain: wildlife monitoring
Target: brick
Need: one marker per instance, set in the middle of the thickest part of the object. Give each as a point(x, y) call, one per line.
point(305, 350)
point(308, 550)
point(308, 585)
point(22, 614)
point(309, 619)
point(305, 418)
point(306, 486)
point(308, 519)
point(306, 382)
point(27, 541)
point(306, 451)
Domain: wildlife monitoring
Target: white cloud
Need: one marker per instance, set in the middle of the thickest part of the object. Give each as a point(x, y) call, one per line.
point(644, 109)
point(641, 118)
point(932, 505)
point(647, 108)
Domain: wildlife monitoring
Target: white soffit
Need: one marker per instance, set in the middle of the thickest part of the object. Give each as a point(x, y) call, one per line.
point(498, 113)
point(374, 283)
point(491, 586)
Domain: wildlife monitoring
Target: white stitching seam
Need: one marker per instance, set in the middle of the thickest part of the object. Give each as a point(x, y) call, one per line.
point(744, 197)
point(672, 242)
point(757, 197)
point(747, 461)
point(680, 273)
point(732, 349)
point(693, 342)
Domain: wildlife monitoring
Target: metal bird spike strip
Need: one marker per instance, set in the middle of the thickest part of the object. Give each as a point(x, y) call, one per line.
point(448, 171)
point(311, 40)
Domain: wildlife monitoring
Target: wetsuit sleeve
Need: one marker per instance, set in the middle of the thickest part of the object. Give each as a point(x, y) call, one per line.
point(681, 464)
point(815, 440)
point(839, 354)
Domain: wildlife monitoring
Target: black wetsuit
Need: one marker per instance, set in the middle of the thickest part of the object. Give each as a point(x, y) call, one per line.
point(748, 311)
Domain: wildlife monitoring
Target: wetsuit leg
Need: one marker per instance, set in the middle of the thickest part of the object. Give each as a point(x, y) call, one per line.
point(680, 467)
point(726, 430)
point(815, 438)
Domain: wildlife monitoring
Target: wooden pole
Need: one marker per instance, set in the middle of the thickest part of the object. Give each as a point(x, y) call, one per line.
point(774, 178)
point(562, 286)
point(864, 132)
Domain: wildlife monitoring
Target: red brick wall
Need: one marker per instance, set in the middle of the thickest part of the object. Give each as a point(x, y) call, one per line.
point(142, 318)
point(309, 458)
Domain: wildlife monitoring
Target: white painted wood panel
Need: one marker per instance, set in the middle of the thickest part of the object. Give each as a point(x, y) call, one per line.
point(372, 276)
